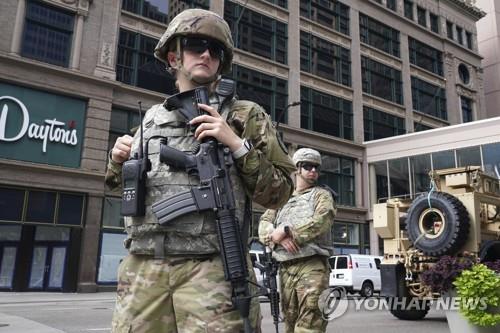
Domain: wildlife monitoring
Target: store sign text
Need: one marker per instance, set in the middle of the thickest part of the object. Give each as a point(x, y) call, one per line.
point(51, 131)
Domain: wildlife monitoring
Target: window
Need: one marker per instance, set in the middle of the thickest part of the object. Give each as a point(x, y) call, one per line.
point(491, 159)
point(381, 80)
point(11, 204)
point(421, 16)
point(111, 254)
point(338, 173)
point(419, 127)
point(434, 22)
point(341, 261)
point(470, 156)
point(152, 9)
point(428, 98)
point(48, 34)
point(137, 66)
point(325, 59)
point(111, 217)
point(398, 177)
point(347, 239)
point(40, 206)
point(281, 3)
point(268, 91)
point(378, 124)
point(468, 40)
point(257, 33)
point(463, 74)
point(443, 159)
point(325, 113)
point(391, 4)
point(425, 56)
point(408, 9)
point(70, 209)
point(420, 166)
point(460, 37)
point(467, 114)
point(449, 30)
point(378, 35)
point(332, 14)
point(122, 122)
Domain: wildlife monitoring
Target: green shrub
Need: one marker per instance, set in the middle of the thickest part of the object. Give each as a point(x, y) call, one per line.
point(482, 283)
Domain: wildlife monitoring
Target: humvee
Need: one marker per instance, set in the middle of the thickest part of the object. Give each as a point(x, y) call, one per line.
point(460, 215)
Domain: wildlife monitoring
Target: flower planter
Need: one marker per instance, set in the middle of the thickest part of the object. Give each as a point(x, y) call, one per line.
point(459, 324)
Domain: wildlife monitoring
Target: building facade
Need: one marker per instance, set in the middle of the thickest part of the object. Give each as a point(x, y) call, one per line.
point(72, 72)
point(489, 46)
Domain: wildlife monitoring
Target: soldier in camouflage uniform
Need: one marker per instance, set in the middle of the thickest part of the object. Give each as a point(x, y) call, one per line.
point(173, 279)
point(302, 251)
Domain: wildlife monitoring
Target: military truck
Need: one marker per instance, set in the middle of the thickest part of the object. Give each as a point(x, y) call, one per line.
point(460, 215)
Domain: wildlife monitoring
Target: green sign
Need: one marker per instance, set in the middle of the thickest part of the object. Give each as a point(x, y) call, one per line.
point(40, 127)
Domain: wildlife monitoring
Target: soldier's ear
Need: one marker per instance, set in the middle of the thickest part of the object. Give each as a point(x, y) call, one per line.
point(172, 59)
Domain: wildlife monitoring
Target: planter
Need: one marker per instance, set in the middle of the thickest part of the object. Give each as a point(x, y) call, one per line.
point(459, 324)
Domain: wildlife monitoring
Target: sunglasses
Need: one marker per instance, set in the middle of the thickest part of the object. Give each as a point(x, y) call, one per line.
point(309, 167)
point(200, 45)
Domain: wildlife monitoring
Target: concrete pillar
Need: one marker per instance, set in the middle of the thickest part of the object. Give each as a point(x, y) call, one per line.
point(18, 28)
point(294, 62)
point(75, 60)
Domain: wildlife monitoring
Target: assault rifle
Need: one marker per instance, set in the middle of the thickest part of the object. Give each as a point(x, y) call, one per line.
point(211, 163)
point(269, 268)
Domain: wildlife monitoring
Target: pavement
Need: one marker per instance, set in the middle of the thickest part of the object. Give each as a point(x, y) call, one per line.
point(13, 324)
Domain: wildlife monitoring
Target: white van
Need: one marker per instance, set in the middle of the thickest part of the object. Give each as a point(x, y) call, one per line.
point(356, 273)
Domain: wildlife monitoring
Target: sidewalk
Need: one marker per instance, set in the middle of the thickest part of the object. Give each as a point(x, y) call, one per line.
point(15, 324)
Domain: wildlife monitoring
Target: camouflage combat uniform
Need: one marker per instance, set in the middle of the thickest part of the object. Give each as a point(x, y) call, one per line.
point(303, 275)
point(173, 280)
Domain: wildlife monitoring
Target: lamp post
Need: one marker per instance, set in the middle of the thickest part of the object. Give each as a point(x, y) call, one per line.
point(282, 114)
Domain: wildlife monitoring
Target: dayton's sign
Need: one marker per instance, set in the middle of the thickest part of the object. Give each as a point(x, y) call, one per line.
point(51, 130)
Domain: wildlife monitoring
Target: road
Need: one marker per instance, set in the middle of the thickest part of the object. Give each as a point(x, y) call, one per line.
point(91, 313)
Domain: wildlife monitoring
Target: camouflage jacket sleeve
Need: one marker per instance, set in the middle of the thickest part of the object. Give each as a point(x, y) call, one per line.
point(321, 222)
point(266, 169)
point(113, 176)
point(266, 226)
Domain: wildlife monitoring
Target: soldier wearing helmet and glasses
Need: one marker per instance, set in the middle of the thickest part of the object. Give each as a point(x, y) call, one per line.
point(173, 279)
point(300, 235)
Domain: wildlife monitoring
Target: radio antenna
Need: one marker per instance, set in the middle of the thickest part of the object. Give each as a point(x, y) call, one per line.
point(141, 143)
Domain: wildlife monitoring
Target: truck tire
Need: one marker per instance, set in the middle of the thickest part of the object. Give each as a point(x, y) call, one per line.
point(439, 229)
point(366, 289)
point(408, 314)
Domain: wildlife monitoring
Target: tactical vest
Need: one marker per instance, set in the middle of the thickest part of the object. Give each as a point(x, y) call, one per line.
point(294, 212)
point(194, 233)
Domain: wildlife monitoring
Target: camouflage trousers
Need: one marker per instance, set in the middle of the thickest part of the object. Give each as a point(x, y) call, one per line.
point(301, 285)
point(176, 295)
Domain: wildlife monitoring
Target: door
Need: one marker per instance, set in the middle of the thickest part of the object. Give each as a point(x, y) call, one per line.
point(47, 267)
point(8, 255)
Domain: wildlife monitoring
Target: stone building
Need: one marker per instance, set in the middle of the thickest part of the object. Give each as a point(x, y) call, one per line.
point(72, 72)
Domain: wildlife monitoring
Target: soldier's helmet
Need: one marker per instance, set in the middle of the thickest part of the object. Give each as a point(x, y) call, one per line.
point(306, 155)
point(197, 22)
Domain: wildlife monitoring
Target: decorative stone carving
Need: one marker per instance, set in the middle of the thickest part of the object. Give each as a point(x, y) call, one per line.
point(106, 54)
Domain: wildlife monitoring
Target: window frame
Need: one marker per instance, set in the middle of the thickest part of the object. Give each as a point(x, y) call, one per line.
point(371, 68)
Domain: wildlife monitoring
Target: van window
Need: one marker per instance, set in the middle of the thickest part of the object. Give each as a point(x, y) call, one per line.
point(377, 263)
point(341, 262)
point(331, 261)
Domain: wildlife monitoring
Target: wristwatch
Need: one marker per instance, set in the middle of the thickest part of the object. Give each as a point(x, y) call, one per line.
point(243, 150)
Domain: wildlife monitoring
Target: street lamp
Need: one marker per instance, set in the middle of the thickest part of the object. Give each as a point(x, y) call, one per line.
point(282, 114)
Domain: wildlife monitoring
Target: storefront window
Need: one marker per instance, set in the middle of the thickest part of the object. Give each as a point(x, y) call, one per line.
point(398, 174)
point(52, 234)
point(111, 215)
point(11, 204)
point(491, 159)
point(470, 156)
point(41, 206)
point(70, 209)
point(420, 167)
point(443, 160)
point(112, 253)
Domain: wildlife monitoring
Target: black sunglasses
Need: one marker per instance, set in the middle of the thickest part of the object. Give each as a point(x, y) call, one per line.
point(309, 167)
point(200, 45)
